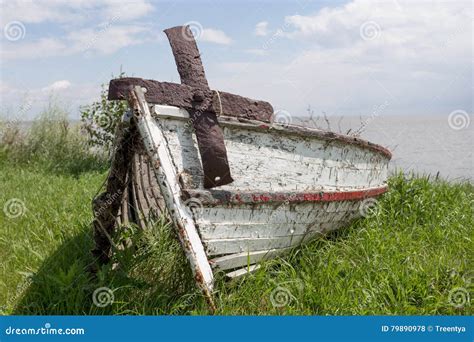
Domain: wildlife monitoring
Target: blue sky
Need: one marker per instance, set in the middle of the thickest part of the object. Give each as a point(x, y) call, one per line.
point(340, 57)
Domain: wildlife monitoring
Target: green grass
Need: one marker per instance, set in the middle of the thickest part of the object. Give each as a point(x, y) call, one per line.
point(406, 258)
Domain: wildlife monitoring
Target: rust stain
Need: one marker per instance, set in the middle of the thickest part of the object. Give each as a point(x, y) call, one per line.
point(220, 197)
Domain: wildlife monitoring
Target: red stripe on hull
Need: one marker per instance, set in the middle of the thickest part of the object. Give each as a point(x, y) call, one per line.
point(227, 197)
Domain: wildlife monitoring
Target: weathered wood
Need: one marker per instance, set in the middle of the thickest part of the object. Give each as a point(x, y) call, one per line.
point(187, 57)
point(279, 166)
point(142, 208)
point(243, 271)
point(216, 197)
point(242, 259)
point(246, 245)
point(297, 132)
point(220, 246)
point(106, 206)
point(165, 171)
point(287, 226)
point(182, 96)
point(216, 170)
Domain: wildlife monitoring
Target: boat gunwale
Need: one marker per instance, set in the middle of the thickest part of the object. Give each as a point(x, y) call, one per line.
point(261, 126)
point(217, 197)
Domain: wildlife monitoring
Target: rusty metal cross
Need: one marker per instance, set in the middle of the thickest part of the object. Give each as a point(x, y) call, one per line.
point(204, 107)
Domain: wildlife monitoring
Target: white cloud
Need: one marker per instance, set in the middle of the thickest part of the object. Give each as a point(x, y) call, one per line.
point(71, 11)
point(261, 29)
point(101, 26)
point(57, 86)
point(106, 39)
point(257, 52)
point(214, 36)
point(127, 10)
point(31, 101)
point(44, 47)
point(419, 62)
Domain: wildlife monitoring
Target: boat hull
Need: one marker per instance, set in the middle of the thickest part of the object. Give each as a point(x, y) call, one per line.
point(289, 187)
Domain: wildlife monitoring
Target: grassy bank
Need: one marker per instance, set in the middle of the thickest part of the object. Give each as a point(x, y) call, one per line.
point(412, 256)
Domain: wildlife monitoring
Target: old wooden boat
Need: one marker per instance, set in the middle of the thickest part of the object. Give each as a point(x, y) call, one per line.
point(239, 186)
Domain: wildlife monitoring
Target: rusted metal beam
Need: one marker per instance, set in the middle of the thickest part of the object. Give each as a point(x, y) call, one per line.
point(181, 95)
point(187, 57)
point(206, 127)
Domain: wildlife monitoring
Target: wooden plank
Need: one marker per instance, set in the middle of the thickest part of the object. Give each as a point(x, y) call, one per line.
point(124, 214)
point(268, 214)
point(275, 163)
point(154, 191)
point(298, 133)
point(142, 208)
point(106, 206)
point(248, 245)
point(236, 230)
point(165, 171)
point(244, 245)
point(243, 259)
point(243, 271)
